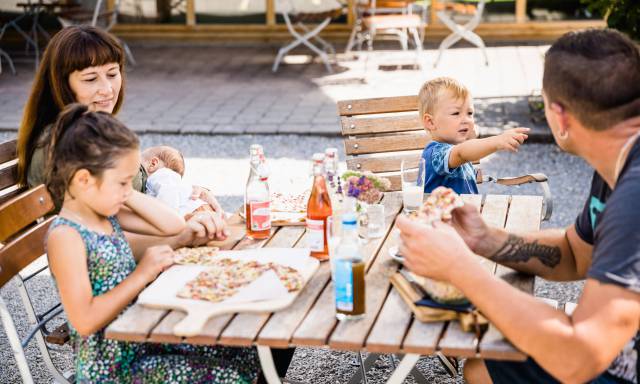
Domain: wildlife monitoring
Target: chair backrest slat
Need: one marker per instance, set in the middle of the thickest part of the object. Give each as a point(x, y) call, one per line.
point(8, 151)
point(357, 125)
point(380, 133)
point(23, 210)
point(393, 143)
point(22, 251)
point(378, 105)
point(8, 171)
point(8, 174)
point(391, 163)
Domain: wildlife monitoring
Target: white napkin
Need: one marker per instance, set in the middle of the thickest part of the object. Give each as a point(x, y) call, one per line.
point(266, 287)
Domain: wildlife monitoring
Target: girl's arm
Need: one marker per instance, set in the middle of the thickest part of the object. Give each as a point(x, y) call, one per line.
point(67, 260)
point(149, 216)
point(476, 149)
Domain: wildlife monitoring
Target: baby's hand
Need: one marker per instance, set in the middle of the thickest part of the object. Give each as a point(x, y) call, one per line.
point(155, 260)
point(511, 139)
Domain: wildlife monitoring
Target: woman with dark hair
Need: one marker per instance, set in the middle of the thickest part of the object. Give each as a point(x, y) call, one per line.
point(86, 65)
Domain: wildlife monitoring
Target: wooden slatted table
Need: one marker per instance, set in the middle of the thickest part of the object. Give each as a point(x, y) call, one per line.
point(388, 326)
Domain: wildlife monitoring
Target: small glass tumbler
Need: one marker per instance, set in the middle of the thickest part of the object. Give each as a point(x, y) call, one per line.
point(375, 227)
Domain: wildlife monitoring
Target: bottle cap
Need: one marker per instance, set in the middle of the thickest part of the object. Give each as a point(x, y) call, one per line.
point(318, 157)
point(331, 152)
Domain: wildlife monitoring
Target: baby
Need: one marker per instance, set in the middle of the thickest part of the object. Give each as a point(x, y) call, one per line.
point(165, 167)
point(446, 111)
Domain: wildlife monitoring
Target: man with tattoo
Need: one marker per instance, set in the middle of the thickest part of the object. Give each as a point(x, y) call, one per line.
point(591, 89)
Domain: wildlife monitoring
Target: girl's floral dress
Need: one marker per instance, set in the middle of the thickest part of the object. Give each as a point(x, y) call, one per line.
point(98, 360)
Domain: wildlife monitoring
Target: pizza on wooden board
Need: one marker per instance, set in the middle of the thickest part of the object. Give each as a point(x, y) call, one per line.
point(281, 202)
point(227, 276)
point(197, 255)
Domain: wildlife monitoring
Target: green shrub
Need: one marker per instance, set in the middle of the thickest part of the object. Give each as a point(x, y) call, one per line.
point(623, 15)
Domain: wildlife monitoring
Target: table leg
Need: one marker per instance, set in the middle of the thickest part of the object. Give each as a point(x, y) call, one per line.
point(364, 367)
point(267, 365)
point(404, 368)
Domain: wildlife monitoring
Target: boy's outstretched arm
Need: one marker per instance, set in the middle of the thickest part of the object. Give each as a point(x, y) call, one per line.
point(476, 149)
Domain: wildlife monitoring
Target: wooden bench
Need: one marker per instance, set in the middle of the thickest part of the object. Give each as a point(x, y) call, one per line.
point(8, 171)
point(24, 221)
point(380, 133)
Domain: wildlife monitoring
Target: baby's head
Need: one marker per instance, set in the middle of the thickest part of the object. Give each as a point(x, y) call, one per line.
point(446, 110)
point(162, 156)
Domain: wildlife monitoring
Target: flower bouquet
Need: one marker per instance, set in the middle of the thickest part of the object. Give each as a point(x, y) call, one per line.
point(365, 187)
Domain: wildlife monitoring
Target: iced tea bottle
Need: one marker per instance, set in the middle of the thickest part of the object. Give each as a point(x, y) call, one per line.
point(318, 211)
point(257, 198)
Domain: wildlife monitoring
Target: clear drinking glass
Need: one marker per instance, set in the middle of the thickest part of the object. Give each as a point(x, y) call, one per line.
point(413, 178)
point(375, 227)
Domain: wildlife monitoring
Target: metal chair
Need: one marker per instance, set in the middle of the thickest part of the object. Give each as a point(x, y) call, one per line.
point(23, 228)
point(461, 31)
point(304, 35)
point(391, 18)
point(79, 15)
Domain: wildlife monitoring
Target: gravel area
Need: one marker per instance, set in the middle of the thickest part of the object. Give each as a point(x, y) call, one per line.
point(221, 162)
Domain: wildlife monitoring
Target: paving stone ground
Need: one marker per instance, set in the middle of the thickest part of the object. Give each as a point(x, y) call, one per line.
point(221, 89)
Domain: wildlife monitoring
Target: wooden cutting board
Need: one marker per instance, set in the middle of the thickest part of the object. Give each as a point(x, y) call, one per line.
point(162, 293)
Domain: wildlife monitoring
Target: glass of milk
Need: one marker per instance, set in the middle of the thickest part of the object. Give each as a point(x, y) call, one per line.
point(413, 177)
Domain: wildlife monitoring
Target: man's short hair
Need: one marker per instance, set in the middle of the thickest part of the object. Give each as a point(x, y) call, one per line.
point(433, 90)
point(595, 74)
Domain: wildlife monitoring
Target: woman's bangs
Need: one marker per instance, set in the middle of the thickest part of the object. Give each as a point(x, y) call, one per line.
point(92, 52)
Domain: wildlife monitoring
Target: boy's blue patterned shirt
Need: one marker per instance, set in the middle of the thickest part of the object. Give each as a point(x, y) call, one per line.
point(461, 179)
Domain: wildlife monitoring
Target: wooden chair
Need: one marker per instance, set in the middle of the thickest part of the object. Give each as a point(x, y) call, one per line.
point(379, 133)
point(390, 17)
point(8, 171)
point(24, 222)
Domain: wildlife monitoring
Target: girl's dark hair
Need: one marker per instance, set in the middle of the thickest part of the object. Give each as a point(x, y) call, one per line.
point(72, 49)
point(84, 140)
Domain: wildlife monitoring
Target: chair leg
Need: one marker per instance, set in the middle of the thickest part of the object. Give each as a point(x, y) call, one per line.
point(356, 31)
point(446, 43)
point(129, 54)
point(14, 341)
point(42, 344)
point(8, 58)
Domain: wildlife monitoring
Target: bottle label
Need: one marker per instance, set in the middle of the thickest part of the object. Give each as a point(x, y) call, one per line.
point(316, 233)
point(260, 216)
point(344, 285)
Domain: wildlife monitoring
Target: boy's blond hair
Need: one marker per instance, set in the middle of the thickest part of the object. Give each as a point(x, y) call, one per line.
point(433, 90)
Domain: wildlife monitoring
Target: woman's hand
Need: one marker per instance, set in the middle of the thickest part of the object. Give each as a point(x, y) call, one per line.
point(206, 196)
point(202, 228)
point(433, 251)
point(154, 261)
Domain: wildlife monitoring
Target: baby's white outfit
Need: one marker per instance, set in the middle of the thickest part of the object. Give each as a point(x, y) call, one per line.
point(168, 186)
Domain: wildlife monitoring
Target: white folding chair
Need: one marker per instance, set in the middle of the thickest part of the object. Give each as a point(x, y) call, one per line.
point(307, 36)
point(461, 31)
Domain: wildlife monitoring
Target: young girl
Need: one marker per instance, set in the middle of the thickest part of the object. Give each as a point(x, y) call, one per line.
point(94, 159)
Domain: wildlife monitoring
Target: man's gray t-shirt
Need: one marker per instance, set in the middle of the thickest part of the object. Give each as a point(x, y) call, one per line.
point(610, 221)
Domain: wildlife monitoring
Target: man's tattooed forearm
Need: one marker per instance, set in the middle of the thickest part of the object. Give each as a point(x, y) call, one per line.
point(515, 250)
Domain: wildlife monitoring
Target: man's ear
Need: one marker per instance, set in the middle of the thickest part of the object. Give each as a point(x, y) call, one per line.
point(562, 116)
point(427, 122)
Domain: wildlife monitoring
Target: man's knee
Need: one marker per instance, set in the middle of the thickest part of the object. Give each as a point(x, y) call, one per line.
point(475, 372)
